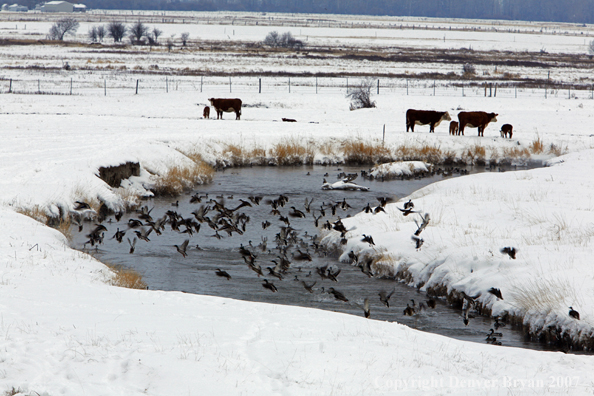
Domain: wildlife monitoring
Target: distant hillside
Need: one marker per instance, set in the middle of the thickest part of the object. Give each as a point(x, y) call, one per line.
point(579, 11)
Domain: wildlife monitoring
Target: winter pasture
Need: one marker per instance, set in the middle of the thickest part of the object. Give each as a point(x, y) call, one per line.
point(65, 329)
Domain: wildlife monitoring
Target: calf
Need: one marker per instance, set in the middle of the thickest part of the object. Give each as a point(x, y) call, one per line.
point(226, 105)
point(424, 117)
point(507, 129)
point(206, 112)
point(475, 119)
point(453, 128)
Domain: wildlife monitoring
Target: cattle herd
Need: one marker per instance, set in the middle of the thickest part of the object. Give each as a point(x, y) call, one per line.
point(471, 119)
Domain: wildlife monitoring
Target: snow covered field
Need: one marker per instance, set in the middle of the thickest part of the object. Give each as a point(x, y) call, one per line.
point(64, 330)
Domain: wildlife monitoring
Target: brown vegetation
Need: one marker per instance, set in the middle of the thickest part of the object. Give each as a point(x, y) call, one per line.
point(183, 178)
point(291, 152)
point(123, 277)
point(359, 153)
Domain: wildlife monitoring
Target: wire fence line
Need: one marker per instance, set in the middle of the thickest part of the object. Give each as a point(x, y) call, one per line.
point(124, 85)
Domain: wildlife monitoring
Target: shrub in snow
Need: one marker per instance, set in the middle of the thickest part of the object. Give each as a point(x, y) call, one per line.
point(361, 96)
point(468, 68)
point(286, 40)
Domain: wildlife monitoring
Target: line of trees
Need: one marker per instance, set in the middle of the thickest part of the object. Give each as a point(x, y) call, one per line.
point(580, 11)
point(137, 32)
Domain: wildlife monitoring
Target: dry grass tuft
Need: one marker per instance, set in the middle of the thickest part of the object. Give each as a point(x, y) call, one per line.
point(358, 152)
point(40, 215)
point(36, 212)
point(291, 152)
point(183, 178)
point(257, 154)
point(123, 277)
point(131, 199)
point(80, 193)
point(475, 155)
point(449, 157)
point(430, 154)
point(544, 295)
point(64, 226)
point(327, 148)
point(515, 152)
point(557, 150)
point(537, 146)
point(235, 154)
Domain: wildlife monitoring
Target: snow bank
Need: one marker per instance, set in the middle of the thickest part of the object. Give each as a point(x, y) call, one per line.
point(546, 214)
point(400, 169)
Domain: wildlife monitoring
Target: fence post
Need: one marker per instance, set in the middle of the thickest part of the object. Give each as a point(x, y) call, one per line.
point(10, 86)
point(433, 87)
point(378, 86)
point(70, 86)
point(462, 90)
point(260, 85)
point(230, 85)
point(136, 88)
point(569, 93)
point(516, 92)
point(38, 86)
point(495, 94)
point(289, 84)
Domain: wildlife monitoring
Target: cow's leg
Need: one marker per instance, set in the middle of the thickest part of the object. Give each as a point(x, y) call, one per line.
point(432, 127)
point(237, 114)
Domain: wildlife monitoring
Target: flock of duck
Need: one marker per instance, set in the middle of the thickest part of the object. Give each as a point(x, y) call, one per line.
point(288, 252)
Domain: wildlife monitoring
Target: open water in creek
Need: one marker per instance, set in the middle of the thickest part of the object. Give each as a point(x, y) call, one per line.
point(163, 268)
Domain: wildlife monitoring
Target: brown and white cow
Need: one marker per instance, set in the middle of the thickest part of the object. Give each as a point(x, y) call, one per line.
point(206, 112)
point(475, 119)
point(226, 105)
point(453, 128)
point(424, 117)
point(507, 131)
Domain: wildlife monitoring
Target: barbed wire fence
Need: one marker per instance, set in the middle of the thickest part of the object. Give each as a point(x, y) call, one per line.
point(127, 84)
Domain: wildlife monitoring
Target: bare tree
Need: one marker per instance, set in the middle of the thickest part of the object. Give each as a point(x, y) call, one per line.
point(93, 35)
point(272, 39)
point(101, 32)
point(361, 96)
point(184, 38)
point(117, 31)
point(591, 47)
point(138, 31)
point(62, 27)
point(156, 34)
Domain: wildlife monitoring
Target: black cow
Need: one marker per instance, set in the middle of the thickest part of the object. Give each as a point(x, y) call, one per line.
point(424, 117)
point(226, 105)
point(507, 130)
